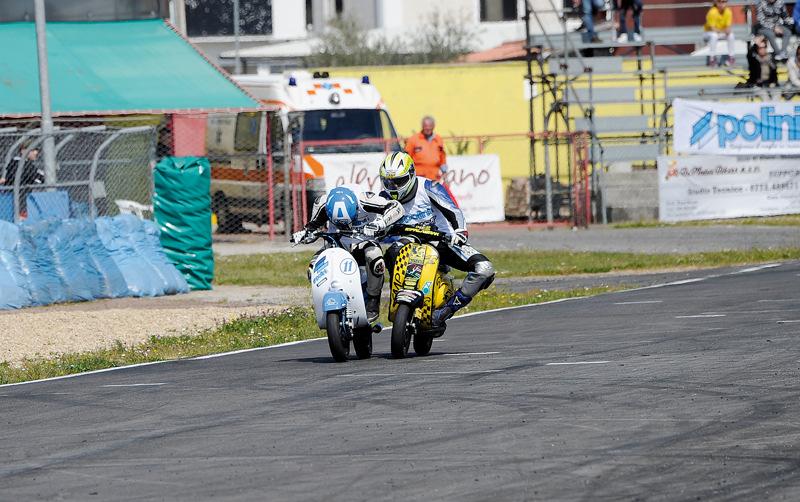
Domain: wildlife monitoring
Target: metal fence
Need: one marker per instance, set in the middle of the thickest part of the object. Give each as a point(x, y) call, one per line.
point(99, 170)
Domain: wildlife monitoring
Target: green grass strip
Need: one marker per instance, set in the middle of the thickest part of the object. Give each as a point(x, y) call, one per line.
point(289, 269)
point(294, 324)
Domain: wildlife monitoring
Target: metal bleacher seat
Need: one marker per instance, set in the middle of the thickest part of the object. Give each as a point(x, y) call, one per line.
point(612, 152)
point(599, 95)
point(616, 125)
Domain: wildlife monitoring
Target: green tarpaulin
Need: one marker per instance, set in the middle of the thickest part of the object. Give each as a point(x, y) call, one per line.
point(111, 67)
point(182, 210)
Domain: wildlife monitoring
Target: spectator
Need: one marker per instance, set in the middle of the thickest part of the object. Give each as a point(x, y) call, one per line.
point(427, 150)
point(635, 6)
point(31, 175)
point(588, 8)
point(771, 17)
point(796, 20)
point(718, 26)
point(792, 87)
point(762, 69)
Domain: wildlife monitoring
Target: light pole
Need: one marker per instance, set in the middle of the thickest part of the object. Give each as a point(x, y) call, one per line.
point(238, 68)
point(44, 94)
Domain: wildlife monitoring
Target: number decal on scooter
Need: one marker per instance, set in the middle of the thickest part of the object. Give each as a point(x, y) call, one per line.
point(348, 267)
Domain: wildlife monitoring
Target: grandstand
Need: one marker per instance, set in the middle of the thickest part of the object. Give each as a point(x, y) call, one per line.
point(620, 95)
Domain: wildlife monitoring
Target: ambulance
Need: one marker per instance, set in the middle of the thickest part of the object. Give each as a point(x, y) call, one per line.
point(329, 116)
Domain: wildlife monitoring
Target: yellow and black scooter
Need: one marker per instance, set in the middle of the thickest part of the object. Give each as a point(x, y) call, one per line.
point(419, 286)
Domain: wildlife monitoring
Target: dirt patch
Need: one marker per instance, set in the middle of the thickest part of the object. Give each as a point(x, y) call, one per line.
point(80, 327)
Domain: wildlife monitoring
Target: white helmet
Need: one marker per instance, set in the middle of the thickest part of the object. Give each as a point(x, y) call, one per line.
point(398, 174)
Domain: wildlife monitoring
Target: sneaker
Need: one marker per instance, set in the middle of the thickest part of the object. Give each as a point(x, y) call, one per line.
point(622, 38)
point(731, 61)
point(373, 305)
point(595, 39)
point(637, 37)
point(712, 62)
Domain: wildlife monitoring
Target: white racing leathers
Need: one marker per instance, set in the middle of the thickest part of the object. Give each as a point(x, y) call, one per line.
point(430, 203)
point(366, 252)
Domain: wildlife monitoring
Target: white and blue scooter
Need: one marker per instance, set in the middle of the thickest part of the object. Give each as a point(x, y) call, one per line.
point(337, 291)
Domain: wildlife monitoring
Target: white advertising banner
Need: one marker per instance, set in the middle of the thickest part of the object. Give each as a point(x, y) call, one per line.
point(756, 128)
point(711, 187)
point(474, 180)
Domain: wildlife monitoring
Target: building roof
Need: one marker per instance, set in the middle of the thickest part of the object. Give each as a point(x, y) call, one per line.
point(118, 67)
point(507, 51)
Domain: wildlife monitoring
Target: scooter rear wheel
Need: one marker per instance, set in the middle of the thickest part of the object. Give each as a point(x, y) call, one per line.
point(423, 343)
point(401, 335)
point(337, 338)
point(362, 342)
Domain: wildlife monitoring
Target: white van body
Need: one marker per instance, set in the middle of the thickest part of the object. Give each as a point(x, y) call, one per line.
point(324, 113)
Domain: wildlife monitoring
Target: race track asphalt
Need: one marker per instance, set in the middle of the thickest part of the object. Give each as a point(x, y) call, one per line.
point(682, 392)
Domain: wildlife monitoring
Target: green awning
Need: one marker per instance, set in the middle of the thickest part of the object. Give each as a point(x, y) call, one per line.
point(104, 68)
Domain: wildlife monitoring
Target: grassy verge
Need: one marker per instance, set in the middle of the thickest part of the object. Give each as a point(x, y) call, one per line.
point(293, 324)
point(790, 220)
point(289, 269)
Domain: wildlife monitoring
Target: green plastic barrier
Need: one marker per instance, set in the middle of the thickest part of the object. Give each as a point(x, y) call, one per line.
point(182, 210)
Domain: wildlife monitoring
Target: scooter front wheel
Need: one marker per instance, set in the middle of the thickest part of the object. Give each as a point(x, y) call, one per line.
point(401, 335)
point(337, 337)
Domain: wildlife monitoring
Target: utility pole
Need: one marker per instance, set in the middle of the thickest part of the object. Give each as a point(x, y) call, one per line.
point(238, 67)
point(531, 125)
point(44, 94)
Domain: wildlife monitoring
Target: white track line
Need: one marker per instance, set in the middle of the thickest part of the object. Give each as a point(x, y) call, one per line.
point(212, 356)
point(157, 384)
point(416, 373)
point(788, 322)
point(756, 269)
point(643, 302)
point(698, 316)
point(577, 362)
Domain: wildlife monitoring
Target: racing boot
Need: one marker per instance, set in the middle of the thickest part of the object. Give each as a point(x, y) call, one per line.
point(453, 305)
point(373, 305)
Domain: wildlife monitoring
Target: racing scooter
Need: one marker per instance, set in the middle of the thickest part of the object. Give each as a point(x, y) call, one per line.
point(419, 286)
point(337, 292)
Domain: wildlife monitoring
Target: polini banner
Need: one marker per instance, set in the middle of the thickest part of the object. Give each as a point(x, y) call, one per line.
point(709, 187)
point(474, 180)
point(758, 128)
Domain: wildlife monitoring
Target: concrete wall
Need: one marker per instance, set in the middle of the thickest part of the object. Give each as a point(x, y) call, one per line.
point(630, 195)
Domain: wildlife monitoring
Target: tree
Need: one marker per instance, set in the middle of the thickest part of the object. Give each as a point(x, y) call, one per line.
point(441, 39)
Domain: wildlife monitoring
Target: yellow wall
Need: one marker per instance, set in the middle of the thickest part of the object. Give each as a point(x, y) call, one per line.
point(481, 99)
point(464, 99)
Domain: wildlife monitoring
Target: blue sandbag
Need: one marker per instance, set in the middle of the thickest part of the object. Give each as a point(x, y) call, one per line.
point(152, 251)
point(73, 263)
point(14, 292)
point(36, 258)
point(114, 285)
point(117, 235)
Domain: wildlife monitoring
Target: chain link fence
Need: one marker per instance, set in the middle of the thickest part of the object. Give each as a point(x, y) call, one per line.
point(99, 169)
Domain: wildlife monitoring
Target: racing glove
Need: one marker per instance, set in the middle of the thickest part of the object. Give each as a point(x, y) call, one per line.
point(304, 236)
point(459, 237)
point(375, 227)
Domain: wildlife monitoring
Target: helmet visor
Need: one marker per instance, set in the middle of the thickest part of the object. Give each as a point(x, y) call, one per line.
point(396, 183)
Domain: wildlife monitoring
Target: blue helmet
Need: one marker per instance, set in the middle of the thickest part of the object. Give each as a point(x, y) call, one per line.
point(342, 207)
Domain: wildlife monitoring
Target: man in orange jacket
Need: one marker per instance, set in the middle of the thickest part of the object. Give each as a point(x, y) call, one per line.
point(427, 150)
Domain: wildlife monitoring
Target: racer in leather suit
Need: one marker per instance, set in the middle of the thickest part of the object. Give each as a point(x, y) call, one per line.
point(351, 208)
point(428, 202)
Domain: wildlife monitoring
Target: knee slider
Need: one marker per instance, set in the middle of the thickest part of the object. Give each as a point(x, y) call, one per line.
point(485, 270)
point(378, 266)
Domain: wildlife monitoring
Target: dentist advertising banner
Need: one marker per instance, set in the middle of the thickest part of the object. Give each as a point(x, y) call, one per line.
point(705, 187)
point(758, 128)
point(474, 180)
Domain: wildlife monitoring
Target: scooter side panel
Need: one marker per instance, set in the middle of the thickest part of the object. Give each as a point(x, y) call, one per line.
point(336, 270)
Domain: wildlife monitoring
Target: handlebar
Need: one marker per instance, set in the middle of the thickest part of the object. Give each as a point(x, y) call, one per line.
point(421, 233)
